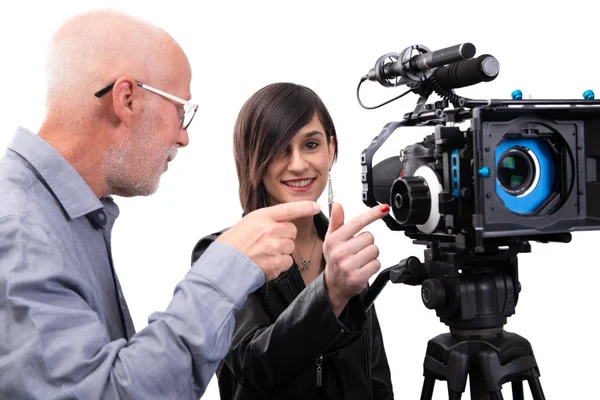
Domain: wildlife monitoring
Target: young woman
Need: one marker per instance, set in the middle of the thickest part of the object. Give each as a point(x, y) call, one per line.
point(294, 338)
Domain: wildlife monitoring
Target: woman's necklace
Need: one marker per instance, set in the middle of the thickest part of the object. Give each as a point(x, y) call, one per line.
point(307, 261)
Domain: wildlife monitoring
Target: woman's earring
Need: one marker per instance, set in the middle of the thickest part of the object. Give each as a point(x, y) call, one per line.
point(265, 201)
point(330, 194)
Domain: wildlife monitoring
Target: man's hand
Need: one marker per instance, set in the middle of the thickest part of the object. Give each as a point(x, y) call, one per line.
point(266, 235)
point(351, 260)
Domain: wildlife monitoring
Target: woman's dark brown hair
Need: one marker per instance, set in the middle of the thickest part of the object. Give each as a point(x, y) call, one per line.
point(266, 124)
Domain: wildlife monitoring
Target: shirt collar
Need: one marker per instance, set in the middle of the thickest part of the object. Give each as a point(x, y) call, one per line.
point(72, 192)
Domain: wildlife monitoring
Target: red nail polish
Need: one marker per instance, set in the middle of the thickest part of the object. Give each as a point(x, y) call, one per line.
point(385, 208)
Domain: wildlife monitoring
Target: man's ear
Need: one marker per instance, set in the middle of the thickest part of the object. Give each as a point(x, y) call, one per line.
point(126, 96)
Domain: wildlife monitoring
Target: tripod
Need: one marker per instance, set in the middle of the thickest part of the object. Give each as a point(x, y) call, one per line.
point(473, 294)
point(489, 358)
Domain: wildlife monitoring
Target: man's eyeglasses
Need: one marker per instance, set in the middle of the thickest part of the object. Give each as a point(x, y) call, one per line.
point(189, 109)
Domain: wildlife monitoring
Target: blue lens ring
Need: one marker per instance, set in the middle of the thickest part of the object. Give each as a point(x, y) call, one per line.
point(533, 197)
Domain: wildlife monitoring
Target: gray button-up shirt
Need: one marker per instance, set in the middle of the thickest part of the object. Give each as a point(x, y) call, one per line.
point(65, 331)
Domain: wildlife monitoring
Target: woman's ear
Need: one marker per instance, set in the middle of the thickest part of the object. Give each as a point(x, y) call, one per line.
point(331, 146)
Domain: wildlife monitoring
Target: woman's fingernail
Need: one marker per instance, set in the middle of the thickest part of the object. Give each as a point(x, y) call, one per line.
point(385, 208)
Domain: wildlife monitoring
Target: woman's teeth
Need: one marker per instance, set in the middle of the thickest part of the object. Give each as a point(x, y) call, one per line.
point(302, 183)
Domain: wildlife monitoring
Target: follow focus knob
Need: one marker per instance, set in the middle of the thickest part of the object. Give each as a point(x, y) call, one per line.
point(410, 200)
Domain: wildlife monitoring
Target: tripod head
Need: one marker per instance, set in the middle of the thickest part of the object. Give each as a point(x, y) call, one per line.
point(468, 290)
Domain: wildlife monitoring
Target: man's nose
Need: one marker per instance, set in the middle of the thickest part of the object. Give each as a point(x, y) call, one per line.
point(183, 139)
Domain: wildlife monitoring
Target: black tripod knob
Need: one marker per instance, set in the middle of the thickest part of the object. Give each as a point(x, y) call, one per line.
point(411, 200)
point(433, 293)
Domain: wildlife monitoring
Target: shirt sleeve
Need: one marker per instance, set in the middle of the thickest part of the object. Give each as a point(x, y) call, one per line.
point(54, 345)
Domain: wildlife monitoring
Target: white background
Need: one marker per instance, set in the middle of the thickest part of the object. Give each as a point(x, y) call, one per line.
point(235, 48)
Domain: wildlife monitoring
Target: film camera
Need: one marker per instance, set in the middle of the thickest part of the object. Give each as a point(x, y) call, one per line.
point(523, 170)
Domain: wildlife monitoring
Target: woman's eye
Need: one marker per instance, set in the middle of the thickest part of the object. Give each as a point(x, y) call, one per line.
point(312, 145)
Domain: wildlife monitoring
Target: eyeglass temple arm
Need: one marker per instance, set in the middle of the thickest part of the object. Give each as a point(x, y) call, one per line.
point(102, 92)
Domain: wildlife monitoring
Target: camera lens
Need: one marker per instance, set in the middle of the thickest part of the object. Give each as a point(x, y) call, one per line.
point(516, 170)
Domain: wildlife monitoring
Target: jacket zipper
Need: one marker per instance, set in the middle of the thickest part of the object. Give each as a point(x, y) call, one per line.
point(318, 360)
point(319, 363)
point(368, 365)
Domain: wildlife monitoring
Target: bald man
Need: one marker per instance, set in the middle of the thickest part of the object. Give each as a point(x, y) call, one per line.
point(118, 110)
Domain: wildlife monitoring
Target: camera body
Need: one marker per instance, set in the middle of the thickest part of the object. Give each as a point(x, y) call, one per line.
point(523, 170)
point(518, 172)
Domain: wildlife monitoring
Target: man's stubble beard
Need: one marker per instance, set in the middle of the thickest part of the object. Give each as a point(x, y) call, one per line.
point(133, 168)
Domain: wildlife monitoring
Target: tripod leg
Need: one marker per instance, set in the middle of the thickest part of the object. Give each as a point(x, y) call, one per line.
point(496, 395)
point(517, 390)
point(536, 389)
point(428, 383)
point(452, 395)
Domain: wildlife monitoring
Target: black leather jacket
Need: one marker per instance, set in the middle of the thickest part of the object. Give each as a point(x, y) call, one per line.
point(288, 343)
